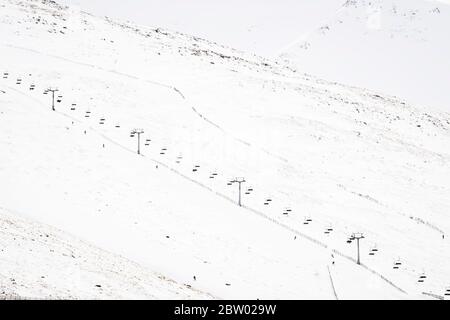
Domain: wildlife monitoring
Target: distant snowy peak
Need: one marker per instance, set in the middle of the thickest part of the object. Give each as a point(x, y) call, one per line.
point(364, 40)
point(398, 18)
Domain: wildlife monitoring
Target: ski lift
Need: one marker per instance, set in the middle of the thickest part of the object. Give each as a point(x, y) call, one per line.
point(328, 230)
point(422, 278)
point(266, 203)
point(32, 87)
point(373, 251)
point(117, 126)
point(447, 292)
point(397, 264)
point(194, 170)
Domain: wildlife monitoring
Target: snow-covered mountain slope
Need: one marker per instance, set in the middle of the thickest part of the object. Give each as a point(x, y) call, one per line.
point(341, 159)
point(398, 47)
point(40, 262)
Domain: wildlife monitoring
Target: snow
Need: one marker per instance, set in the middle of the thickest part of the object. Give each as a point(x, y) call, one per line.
point(39, 262)
point(348, 158)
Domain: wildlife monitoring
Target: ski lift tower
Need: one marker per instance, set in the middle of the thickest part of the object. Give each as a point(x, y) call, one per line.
point(240, 181)
point(357, 236)
point(53, 90)
point(137, 132)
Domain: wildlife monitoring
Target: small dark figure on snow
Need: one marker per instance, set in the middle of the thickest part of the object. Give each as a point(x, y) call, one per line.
point(195, 278)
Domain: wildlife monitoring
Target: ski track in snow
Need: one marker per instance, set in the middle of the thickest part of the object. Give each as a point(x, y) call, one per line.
point(332, 283)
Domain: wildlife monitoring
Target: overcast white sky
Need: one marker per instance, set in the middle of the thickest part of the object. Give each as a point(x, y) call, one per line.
point(260, 26)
